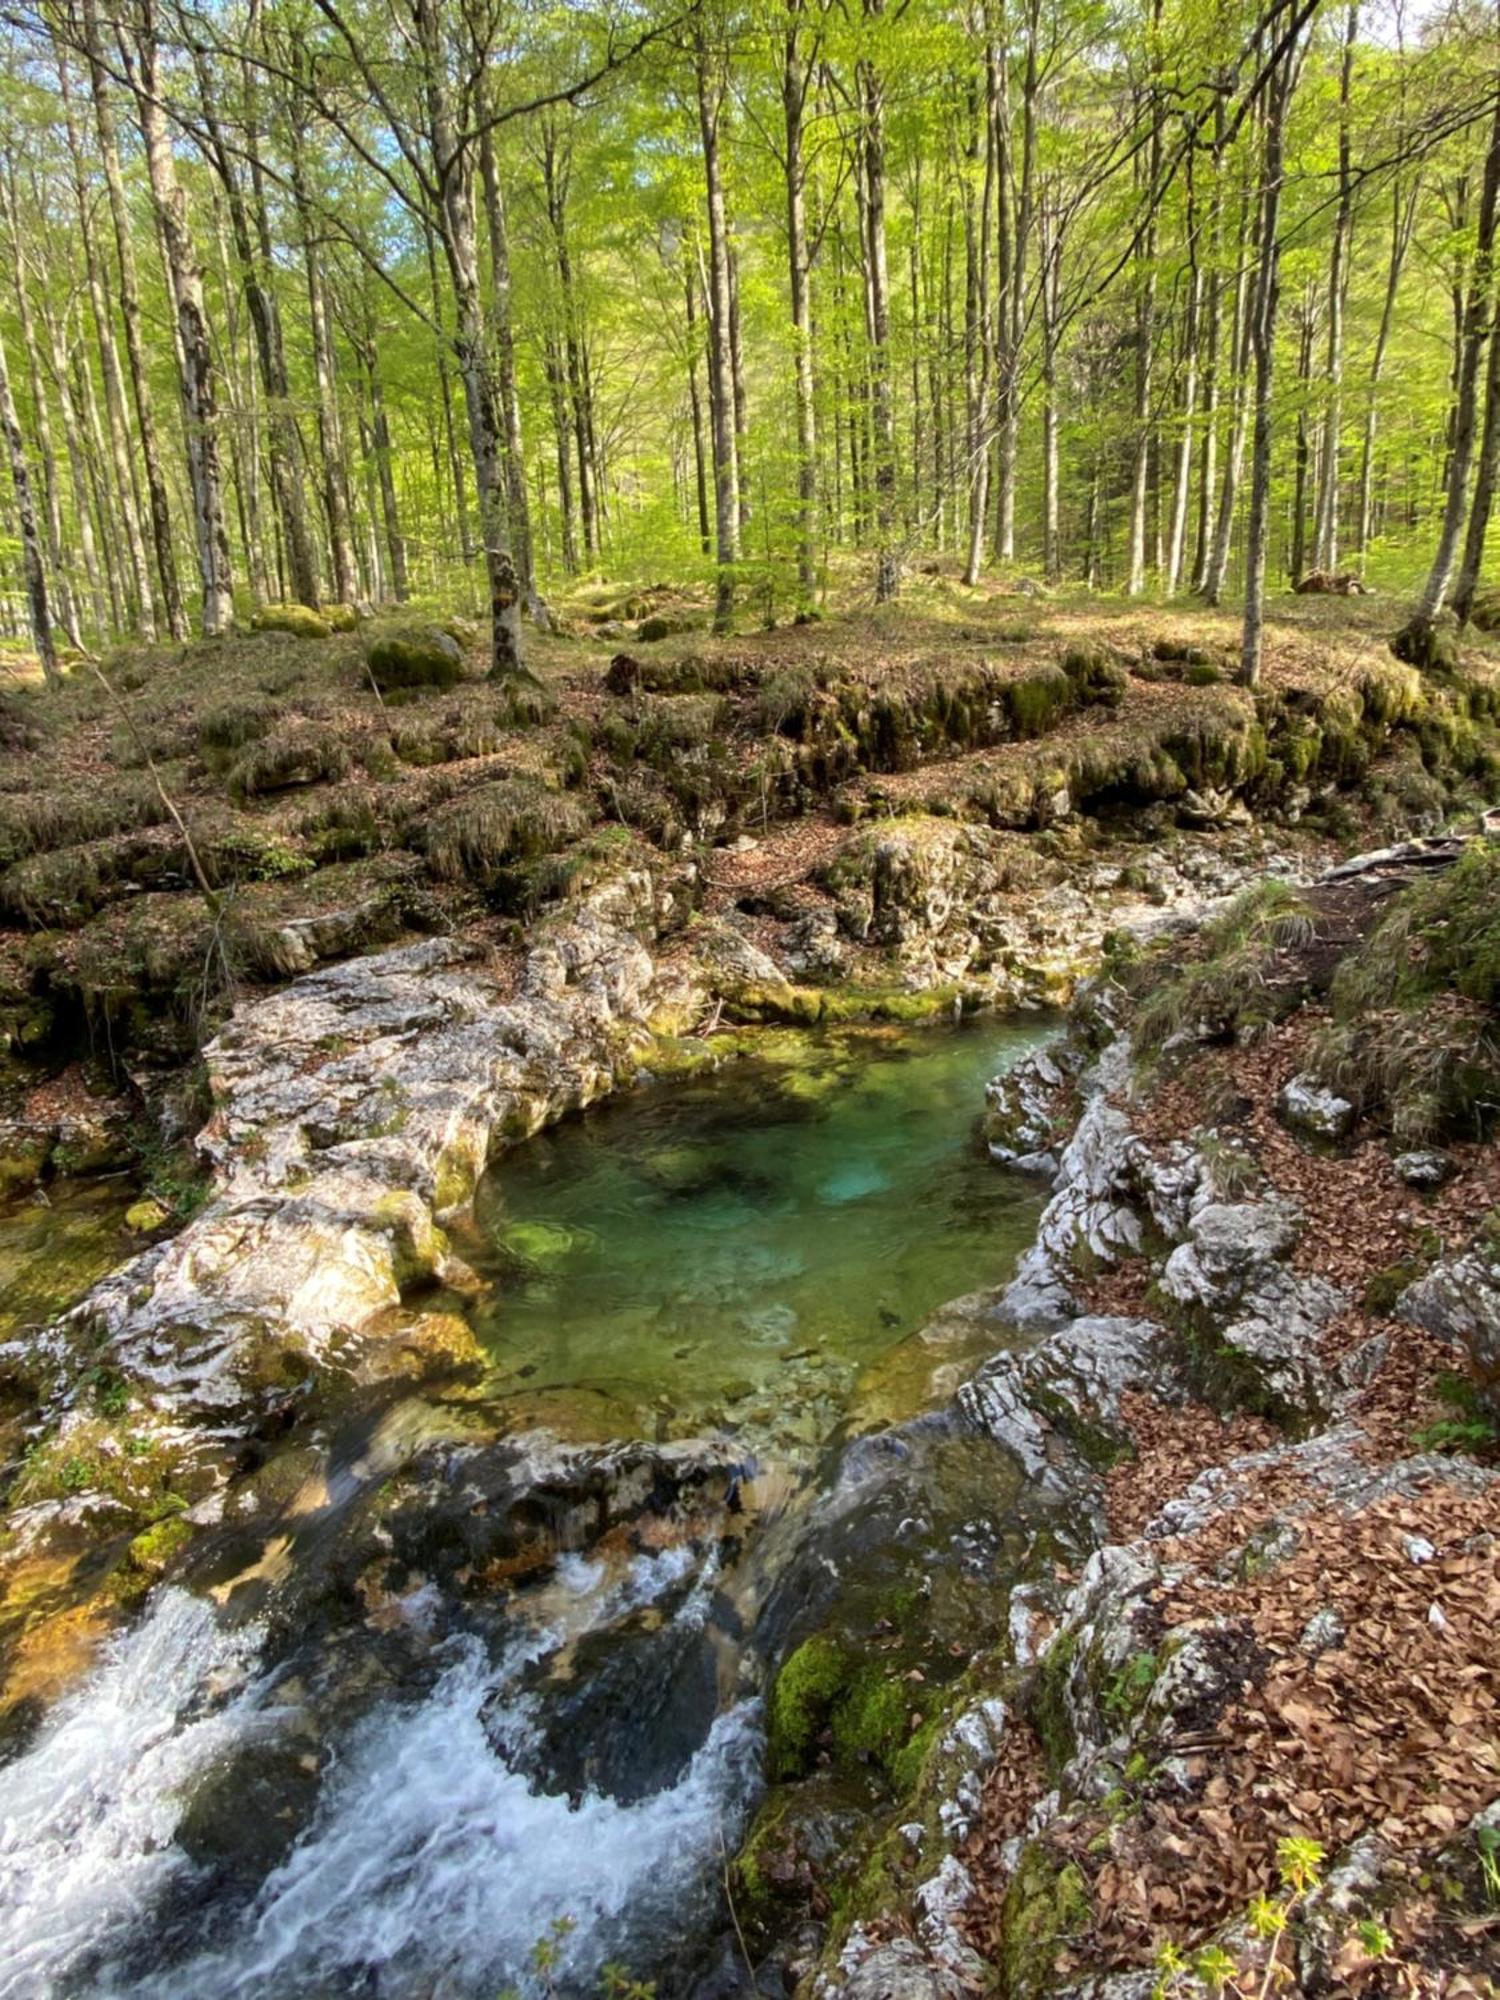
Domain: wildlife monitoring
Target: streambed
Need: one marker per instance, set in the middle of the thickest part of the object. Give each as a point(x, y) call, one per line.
point(401, 1793)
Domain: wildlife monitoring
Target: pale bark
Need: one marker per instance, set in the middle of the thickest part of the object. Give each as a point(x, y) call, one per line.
point(32, 559)
point(1263, 344)
point(1416, 638)
point(711, 89)
point(872, 107)
point(124, 516)
point(794, 84)
point(130, 315)
point(1326, 537)
point(454, 168)
point(517, 503)
point(185, 282)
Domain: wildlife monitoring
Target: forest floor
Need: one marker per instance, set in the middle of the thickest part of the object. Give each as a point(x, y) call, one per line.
point(328, 816)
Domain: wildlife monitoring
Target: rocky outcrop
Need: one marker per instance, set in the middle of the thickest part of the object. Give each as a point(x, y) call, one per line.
point(1459, 1300)
point(355, 1112)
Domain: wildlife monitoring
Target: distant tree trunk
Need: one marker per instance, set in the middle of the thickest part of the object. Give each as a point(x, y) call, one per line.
point(695, 405)
point(979, 325)
point(505, 370)
point(124, 516)
point(1010, 304)
point(1326, 539)
point(1050, 251)
point(76, 448)
point(794, 83)
point(459, 231)
point(555, 175)
point(458, 482)
point(185, 280)
point(1297, 558)
point(1263, 344)
point(1240, 351)
point(711, 90)
point(1482, 505)
point(1182, 484)
point(63, 606)
point(741, 393)
point(1415, 641)
point(1145, 344)
point(872, 107)
point(1208, 458)
point(336, 506)
point(368, 349)
point(1403, 219)
point(31, 541)
point(130, 313)
point(557, 386)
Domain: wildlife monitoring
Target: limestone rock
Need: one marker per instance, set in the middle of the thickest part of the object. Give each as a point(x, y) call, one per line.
point(1306, 1106)
point(1425, 1170)
point(1459, 1300)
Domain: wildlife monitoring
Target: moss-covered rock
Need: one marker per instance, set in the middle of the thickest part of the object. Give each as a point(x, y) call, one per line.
point(1046, 1905)
point(297, 619)
point(413, 656)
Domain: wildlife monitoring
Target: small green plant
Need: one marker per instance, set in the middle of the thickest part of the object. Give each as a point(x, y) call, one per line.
point(1374, 1938)
point(547, 1952)
point(1129, 1686)
point(1487, 1840)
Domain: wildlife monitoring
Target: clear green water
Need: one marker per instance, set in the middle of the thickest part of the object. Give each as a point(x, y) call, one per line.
point(53, 1249)
point(756, 1249)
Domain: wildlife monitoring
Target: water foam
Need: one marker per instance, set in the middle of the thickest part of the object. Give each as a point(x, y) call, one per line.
point(431, 1867)
point(434, 1862)
point(88, 1813)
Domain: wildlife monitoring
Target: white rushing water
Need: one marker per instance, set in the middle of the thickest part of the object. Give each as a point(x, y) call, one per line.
point(87, 1815)
point(430, 1868)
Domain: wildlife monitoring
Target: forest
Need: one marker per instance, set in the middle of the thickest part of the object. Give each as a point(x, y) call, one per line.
point(344, 304)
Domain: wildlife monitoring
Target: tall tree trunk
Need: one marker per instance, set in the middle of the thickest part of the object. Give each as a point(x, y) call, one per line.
point(1482, 505)
point(1145, 339)
point(457, 481)
point(31, 541)
point(711, 89)
point(794, 105)
point(1403, 219)
point(1326, 539)
point(185, 281)
point(979, 325)
point(458, 224)
point(1415, 641)
point(1263, 343)
point(872, 107)
point(76, 448)
point(125, 515)
point(1208, 458)
point(1241, 330)
point(555, 176)
point(557, 386)
point(1183, 481)
point(334, 471)
point(695, 405)
point(1297, 559)
point(65, 611)
point(517, 502)
point(380, 444)
point(130, 314)
point(1049, 251)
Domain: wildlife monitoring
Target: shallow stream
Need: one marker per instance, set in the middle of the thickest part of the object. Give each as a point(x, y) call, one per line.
point(403, 1796)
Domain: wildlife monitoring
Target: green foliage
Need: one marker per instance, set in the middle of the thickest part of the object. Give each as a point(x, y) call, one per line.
point(492, 826)
point(1415, 1038)
point(1236, 981)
